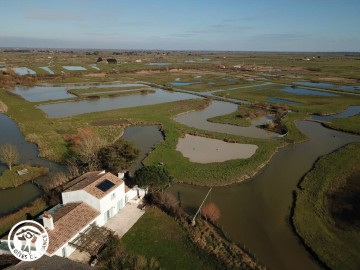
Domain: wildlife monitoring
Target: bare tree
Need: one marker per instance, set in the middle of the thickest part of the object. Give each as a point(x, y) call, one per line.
point(9, 154)
point(210, 211)
point(87, 144)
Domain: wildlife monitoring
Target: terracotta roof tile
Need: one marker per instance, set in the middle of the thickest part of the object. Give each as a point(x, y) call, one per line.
point(89, 181)
point(68, 221)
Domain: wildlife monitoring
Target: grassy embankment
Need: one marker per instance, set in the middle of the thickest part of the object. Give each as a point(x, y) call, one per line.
point(158, 235)
point(34, 208)
point(351, 124)
point(327, 213)
point(13, 179)
point(48, 134)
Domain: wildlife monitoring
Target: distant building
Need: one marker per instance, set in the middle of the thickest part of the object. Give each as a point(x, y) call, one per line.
point(138, 61)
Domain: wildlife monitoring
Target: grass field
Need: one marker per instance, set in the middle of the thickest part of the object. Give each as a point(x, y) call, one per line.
point(158, 235)
point(327, 213)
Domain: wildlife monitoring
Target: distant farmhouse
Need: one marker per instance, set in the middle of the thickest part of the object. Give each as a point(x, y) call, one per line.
point(89, 201)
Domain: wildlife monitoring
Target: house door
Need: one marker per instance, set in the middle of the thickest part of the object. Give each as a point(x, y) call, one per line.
point(107, 215)
point(120, 205)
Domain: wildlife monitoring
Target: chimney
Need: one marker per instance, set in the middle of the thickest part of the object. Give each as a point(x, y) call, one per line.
point(48, 221)
point(121, 175)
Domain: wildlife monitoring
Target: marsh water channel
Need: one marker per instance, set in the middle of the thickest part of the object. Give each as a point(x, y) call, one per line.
point(254, 212)
point(13, 198)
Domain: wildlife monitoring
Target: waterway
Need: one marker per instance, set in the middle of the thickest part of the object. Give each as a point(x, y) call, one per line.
point(256, 212)
point(198, 119)
point(350, 111)
point(13, 198)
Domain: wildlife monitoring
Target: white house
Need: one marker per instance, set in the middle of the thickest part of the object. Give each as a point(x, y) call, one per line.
point(91, 199)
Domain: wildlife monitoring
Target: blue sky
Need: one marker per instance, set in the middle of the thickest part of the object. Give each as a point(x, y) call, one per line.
point(264, 25)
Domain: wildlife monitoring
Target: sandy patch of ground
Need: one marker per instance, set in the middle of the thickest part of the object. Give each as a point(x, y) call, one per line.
point(145, 72)
point(99, 75)
point(206, 150)
point(337, 79)
point(3, 107)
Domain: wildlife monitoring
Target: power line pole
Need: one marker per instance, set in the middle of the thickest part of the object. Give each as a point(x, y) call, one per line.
point(197, 212)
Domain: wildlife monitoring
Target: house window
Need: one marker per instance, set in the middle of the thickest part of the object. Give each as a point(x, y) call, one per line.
point(63, 251)
point(113, 196)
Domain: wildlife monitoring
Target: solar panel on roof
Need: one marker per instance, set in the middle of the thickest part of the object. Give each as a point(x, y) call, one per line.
point(105, 185)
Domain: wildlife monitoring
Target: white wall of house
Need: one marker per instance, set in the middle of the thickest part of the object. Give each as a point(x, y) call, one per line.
point(111, 204)
point(81, 196)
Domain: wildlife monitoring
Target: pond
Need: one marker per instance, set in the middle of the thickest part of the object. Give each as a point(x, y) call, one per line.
point(144, 138)
point(330, 85)
point(74, 68)
point(350, 111)
point(23, 71)
point(16, 197)
point(47, 69)
point(283, 101)
point(45, 93)
point(198, 119)
point(255, 212)
point(65, 109)
point(307, 92)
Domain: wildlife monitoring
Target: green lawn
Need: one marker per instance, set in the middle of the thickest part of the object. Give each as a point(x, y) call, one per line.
point(158, 235)
point(327, 212)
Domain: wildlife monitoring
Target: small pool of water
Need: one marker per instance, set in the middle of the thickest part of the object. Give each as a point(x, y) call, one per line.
point(307, 92)
point(74, 68)
point(158, 64)
point(23, 71)
point(350, 111)
point(283, 101)
point(330, 85)
point(48, 70)
point(94, 66)
point(184, 83)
